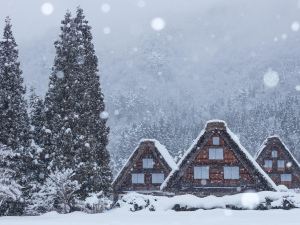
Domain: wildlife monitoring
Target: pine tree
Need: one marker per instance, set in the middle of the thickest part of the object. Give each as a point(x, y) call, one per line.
point(57, 193)
point(74, 103)
point(94, 153)
point(11, 201)
point(37, 118)
point(14, 122)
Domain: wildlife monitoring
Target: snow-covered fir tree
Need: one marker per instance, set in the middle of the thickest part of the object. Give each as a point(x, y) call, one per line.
point(94, 174)
point(14, 122)
point(11, 201)
point(57, 193)
point(37, 117)
point(74, 103)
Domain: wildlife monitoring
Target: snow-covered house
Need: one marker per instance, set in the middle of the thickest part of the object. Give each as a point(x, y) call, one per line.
point(145, 170)
point(278, 161)
point(217, 164)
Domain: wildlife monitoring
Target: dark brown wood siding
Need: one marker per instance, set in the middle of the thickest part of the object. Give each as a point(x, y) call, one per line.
point(135, 165)
point(290, 166)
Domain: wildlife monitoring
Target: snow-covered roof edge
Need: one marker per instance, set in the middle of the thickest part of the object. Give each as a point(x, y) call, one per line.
point(235, 139)
point(162, 150)
point(264, 144)
point(186, 153)
point(251, 159)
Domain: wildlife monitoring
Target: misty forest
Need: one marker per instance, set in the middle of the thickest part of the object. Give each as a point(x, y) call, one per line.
point(83, 82)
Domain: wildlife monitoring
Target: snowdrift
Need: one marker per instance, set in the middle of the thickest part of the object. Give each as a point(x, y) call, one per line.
point(243, 201)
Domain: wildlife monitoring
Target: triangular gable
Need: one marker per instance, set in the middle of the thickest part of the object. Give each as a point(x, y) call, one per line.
point(233, 142)
point(161, 152)
point(278, 140)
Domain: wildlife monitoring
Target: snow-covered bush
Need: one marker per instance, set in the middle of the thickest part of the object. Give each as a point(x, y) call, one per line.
point(256, 201)
point(95, 203)
point(57, 193)
point(11, 202)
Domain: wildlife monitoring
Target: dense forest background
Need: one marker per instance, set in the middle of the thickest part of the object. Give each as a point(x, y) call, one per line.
point(209, 62)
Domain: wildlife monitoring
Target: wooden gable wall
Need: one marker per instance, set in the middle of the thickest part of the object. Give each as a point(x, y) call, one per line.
point(183, 180)
point(290, 165)
point(135, 166)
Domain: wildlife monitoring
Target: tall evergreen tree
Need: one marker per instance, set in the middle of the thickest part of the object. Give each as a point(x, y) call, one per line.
point(74, 103)
point(94, 153)
point(14, 122)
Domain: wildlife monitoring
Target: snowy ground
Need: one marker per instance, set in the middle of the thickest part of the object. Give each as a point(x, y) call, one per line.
point(204, 217)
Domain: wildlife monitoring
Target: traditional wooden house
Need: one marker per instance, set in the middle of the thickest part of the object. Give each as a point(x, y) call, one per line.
point(217, 164)
point(277, 161)
point(146, 169)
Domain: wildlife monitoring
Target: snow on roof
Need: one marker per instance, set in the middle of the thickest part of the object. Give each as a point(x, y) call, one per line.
point(220, 124)
point(251, 159)
point(264, 144)
point(161, 149)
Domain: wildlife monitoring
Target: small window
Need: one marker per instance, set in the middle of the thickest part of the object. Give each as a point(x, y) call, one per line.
point(274, 154)
point(280, 164)
point(286, 177)
point(216, 153)
point(231, 172)
point(158, 178)
point(216, 141)
point(201, 172)
point(137, 178)
point(268, 164)
point(148, 163)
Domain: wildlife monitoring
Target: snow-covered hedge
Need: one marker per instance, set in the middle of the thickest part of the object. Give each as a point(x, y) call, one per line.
point(251, 200)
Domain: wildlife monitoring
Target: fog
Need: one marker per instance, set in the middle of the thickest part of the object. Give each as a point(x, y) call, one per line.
point(208, 52)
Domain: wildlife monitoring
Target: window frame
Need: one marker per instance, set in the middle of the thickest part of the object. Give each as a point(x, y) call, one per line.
point(274, 155)
point(146, 164)
point(230, 174)
point(158, 174)
point(284, 175)
point(139, 178)
point(268, 160)
point(214, 153)
point(216, 140)
point(202, 174)
point(282, 162)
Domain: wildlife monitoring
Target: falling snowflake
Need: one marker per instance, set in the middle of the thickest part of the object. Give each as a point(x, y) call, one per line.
point(295, 26)
point(116, 112)
point(47, 8)
point(141, 4)
point(106, 30)
point(250, 200)
point(203, 182)
point(105, 8)
point(289, 164)
point(271, 78)
point(60, 74)
point(297, 87)
point(158, 24)
point(284, 36)
point(104, 115)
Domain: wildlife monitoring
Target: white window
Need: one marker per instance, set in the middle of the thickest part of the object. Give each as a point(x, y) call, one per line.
point(137, 178)
point(286, 177)
point(148, 163)
point(231, 172)
point(268, 163)
point(216, 153)
point(274, 154)
point(216, 141)
point(201, 172)
point(280, 164)
point(158, 178)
